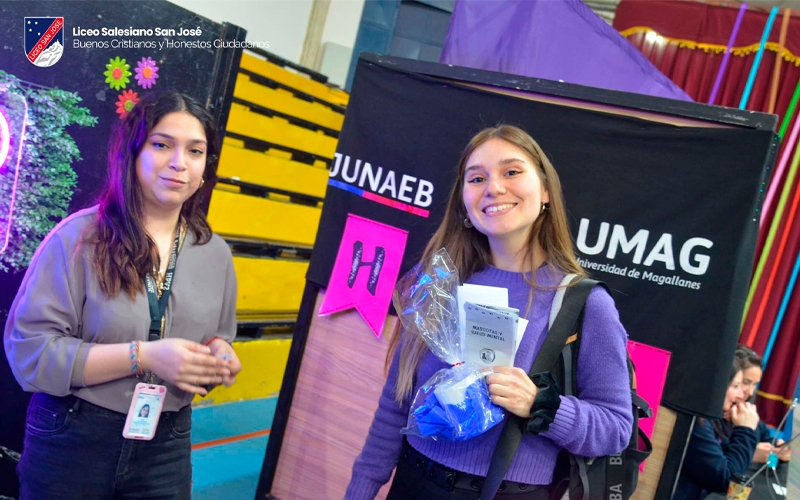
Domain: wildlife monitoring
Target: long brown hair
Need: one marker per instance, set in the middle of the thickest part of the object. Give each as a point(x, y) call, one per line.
point(123, 250)
point(470, 250)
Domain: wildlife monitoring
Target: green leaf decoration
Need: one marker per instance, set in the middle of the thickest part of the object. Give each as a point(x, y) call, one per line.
point(46, 179)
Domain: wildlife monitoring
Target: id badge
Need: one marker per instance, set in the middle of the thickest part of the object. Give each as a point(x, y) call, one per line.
point(144, 413)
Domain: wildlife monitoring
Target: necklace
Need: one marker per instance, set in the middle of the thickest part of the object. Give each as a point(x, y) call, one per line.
point(160, 283)
point(160, 276)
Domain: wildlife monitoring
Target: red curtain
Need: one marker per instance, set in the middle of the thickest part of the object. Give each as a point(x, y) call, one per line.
point(690, 52)
point(699, 34)
point(687, 41)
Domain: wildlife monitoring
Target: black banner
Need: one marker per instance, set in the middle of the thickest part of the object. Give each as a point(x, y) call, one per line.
point(664, 214)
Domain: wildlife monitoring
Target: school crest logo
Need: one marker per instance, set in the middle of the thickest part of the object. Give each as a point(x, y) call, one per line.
point(44, 40)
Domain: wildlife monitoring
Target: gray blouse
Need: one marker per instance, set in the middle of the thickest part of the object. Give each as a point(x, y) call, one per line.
point(59, 313)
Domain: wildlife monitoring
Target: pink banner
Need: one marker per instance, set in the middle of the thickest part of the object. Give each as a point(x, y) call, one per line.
point(651, 374)
point(366, 270)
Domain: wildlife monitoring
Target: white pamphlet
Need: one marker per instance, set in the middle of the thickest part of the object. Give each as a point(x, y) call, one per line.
point(489, 335)
point(479, 294)
point(492, 296)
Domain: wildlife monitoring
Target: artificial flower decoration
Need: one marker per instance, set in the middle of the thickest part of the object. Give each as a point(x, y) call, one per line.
point(146, 72)
point(117, 73)
point(125, 102)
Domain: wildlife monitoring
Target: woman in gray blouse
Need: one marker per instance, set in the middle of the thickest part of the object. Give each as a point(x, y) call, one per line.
point(134, 289)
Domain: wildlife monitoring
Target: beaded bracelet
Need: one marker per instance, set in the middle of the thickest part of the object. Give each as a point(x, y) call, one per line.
point(136, 362)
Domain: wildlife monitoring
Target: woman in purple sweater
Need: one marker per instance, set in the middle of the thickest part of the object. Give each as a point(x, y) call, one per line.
point(505, 225)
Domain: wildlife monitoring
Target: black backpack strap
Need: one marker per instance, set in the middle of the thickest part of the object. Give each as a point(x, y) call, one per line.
point(641, 405)
point(564, 326)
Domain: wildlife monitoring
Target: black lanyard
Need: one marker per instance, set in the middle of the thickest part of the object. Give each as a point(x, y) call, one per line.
point(158, 306)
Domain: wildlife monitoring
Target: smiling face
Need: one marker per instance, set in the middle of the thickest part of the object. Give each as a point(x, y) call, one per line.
point(751, 377)
point(503, 193)
point(171, 163)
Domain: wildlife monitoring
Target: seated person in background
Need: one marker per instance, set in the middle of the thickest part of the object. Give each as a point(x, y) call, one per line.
point(715, 455)
point(752, 369)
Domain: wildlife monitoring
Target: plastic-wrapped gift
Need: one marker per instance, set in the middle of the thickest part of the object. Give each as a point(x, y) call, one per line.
point(454, 403)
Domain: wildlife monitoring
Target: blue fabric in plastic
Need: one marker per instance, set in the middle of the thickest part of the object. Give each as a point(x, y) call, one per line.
point(460, 422)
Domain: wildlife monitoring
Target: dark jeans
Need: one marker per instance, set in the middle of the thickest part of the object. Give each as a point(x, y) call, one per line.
point(417, 477)
point(75, 450)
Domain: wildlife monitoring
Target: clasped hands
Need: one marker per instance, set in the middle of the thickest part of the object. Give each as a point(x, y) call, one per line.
point(189, 365)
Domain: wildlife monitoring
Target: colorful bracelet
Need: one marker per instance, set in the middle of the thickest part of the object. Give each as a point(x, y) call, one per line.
point(136, 361)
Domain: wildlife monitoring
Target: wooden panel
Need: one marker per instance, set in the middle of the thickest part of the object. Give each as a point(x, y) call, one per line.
point(285, 102)
point(279, 131)
point(269, 170)
point(233, 214)
point(286, 77)
point(269, 285)
point(340, 381)
point(662, 434)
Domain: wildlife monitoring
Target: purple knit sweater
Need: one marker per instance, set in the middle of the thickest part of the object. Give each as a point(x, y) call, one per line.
point(596, 423)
